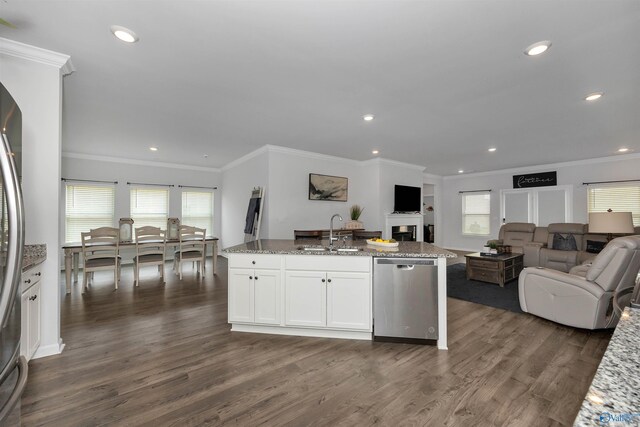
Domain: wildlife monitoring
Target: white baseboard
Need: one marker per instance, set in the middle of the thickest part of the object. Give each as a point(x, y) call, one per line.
point(49, 350)
point(301, 332)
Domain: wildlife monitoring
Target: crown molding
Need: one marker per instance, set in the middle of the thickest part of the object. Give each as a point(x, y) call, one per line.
point(121, 160)
point(426, 175)
point(536, 168)
point(382, 160)
point(245, 158)
point(310, 154)
point(37, 54)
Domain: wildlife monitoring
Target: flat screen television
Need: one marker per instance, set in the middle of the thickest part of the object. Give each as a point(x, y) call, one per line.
point(407, 199)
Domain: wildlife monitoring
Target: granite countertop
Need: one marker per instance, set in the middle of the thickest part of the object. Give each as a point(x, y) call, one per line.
point(614, 395)
point(293, 247)
point(33, 255)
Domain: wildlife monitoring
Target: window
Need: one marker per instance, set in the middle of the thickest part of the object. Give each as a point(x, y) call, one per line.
point(149, 207)
point(87, 207)
point(197, 209)
point(476, 209)
point(620, 198)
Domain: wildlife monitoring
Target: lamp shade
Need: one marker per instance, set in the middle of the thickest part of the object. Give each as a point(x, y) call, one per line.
point(611, 222)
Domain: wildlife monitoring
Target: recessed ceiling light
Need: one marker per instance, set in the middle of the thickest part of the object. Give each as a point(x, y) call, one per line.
point(124, 34)
point(492, 149)
point(368, 117)
point(206, 156)
point(375, 152)
point(623, 150)
point(593, 96)
point(537, 48)
point(460, 171)
point(153, 148)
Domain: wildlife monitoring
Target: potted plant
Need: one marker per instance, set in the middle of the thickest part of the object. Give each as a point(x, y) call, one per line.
point(354, 212)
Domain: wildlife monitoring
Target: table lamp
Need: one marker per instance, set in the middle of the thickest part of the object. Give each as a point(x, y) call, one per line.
point(611, 223)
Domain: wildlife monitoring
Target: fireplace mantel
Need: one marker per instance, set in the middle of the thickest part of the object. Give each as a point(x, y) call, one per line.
point(392, 220)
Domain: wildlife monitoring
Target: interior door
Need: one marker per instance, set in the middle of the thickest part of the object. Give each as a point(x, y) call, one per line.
point(516, 206)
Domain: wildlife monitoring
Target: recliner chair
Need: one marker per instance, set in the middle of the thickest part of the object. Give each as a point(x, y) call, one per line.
point(515, 234)
point(583, 297)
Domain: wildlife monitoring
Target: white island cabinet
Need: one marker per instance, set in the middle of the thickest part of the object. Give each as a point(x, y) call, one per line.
point(255, 289)
point(30, 312)
point(324, 296)
point(328, 291)
point(292, 287)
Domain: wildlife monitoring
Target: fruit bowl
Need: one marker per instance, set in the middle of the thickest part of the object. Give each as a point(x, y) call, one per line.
point(374, 242)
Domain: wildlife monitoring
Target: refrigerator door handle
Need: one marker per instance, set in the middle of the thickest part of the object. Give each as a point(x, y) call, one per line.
point(15, 215)
point(23, 368)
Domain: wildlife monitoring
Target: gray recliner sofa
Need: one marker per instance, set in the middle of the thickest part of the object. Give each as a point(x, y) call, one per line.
point(582, 297)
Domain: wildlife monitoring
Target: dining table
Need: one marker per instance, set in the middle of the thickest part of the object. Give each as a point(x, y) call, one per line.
point(73, 250)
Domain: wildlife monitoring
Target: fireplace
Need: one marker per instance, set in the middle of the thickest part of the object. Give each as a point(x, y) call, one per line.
point(403, 227)
point(404, 233)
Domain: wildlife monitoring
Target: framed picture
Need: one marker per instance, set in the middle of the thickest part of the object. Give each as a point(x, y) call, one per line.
point(325, 187)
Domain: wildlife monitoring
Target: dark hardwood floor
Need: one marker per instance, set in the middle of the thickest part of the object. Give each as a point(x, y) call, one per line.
point(163, 355)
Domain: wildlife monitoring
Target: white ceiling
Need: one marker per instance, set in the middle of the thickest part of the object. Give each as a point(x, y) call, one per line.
point(446, 79)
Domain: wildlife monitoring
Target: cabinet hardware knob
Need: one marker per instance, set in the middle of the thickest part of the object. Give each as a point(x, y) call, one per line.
point(250, 277)
point(253, 262)
point(33, 298)
point(38, 274)
point(329, 280)
point(27, 281)
point(323, 280)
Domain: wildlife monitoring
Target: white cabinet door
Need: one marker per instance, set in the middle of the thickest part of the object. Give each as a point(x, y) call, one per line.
point(349, 300)
point(24, 327)
point(267, 296)
point(305, 298)
point(241, 295)
point(34, 318)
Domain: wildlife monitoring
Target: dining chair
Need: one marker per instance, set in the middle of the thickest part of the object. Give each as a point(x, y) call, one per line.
point(365, 235)
point(151, 243)
point(192, 248)
point(307, 234)
point(100, 251)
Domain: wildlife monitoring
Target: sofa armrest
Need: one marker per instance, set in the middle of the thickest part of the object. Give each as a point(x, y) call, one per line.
point(557, 259)
point(561, 277)
point(531, 251)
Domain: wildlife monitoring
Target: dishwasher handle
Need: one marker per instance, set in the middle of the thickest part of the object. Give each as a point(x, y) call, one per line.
point(404, 262)
point(405, 267)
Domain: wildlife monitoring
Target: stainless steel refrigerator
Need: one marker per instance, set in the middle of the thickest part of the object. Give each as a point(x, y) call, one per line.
point(13, 367)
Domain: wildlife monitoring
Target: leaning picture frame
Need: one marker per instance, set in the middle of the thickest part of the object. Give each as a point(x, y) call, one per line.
point(328, 188)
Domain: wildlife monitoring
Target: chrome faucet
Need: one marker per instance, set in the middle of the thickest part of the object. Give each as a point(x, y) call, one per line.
point(331, 238)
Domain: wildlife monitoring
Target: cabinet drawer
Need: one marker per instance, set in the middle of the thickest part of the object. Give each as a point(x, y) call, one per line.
point(30, 278)
point(490, 265)
point(328, 263)
point(255, 261)
point(492, 276)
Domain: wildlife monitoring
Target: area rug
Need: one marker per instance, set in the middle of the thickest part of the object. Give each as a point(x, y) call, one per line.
point(481, 292)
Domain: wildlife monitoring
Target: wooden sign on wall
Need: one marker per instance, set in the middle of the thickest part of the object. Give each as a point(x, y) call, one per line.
point(542, 179)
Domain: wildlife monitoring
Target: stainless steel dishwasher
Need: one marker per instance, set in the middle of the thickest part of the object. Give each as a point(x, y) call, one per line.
point(405, 300)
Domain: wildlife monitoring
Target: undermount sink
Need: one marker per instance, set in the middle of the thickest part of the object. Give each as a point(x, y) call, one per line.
point(313, 248)
point(316, 248)
point(349, 249)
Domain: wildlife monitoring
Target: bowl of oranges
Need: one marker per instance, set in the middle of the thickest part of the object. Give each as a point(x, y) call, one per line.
point(385, 243)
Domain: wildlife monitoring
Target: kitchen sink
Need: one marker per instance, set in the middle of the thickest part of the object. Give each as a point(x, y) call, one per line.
point(317, 248)
point(313, 248)
point(349, 249)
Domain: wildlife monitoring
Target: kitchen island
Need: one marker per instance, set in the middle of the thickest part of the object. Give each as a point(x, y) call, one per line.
point(293, 287)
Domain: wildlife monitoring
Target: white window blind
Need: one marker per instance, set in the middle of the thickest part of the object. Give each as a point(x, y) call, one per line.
point(197, 209)
point(621, 198)
point(87, 207)
point(476, 214)
point(149, 207)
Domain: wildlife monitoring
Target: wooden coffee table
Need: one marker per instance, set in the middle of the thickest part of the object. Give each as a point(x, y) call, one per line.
point(497, 269)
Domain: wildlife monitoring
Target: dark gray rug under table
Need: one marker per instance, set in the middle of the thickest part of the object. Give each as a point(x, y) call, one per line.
point(481, 292)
